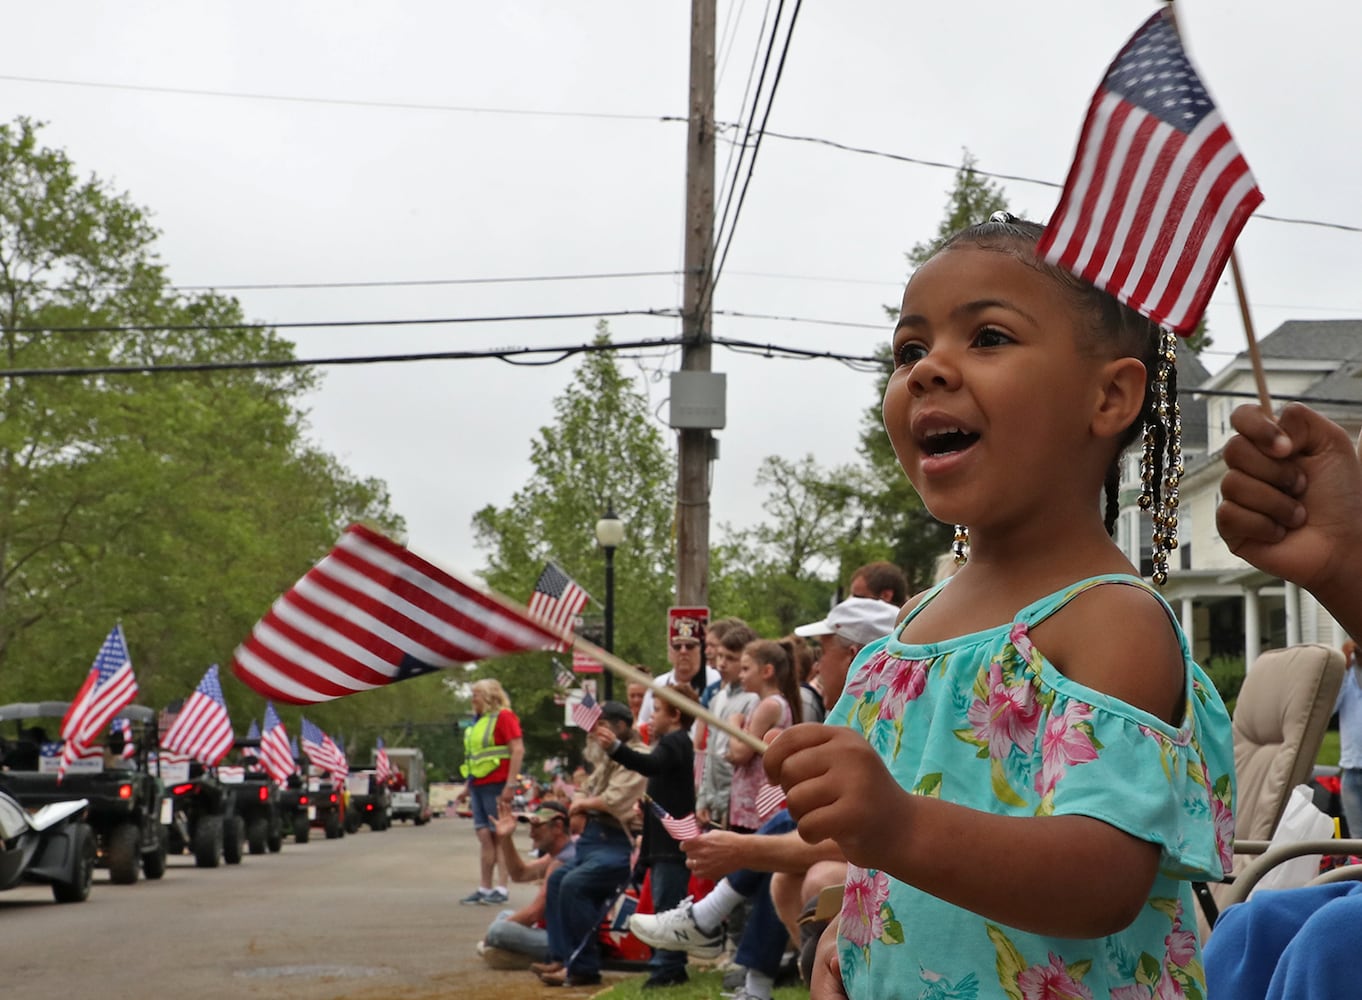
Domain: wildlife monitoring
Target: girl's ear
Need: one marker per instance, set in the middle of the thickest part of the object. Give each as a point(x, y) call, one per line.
point(1120, 396)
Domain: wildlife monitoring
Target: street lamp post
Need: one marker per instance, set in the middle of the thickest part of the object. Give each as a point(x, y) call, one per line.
point(609, 534)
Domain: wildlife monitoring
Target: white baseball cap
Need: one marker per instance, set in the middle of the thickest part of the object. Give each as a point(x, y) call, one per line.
point(858, 620)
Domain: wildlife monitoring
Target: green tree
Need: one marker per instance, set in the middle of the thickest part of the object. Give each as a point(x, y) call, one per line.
point(602, 448)
point(178, 503)
point(775, 575)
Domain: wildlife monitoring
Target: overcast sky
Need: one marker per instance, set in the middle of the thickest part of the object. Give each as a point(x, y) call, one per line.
point(542, 151)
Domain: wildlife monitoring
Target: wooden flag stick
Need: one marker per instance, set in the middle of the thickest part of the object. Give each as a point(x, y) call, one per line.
point(627, 673)
point(1259, 376)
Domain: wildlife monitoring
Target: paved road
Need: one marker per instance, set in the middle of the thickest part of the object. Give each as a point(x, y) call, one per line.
point(373, 916)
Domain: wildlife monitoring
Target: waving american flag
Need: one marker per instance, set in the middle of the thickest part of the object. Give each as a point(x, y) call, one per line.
point(203, 729)
point(108, 687)
point(275, 753)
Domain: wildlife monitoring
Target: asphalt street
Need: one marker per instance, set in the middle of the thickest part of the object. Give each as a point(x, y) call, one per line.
point(370, 916)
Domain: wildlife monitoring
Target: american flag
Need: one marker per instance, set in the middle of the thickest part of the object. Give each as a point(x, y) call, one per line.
point(383, 767)
point(322, 750)
point(203, 729)
point(586, 713)
point(562, 676)
point(372, 613)
point(252, 733)
point(123, 726)
point(557, 601)
point(1158, 191)
point(769, 799)
point(108, 687)
point(275, 752)
point(686, 828)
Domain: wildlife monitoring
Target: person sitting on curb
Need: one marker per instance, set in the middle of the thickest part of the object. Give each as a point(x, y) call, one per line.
point(517, 937)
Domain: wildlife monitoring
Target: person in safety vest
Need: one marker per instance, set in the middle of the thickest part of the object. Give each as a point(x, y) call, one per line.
point(493, 751)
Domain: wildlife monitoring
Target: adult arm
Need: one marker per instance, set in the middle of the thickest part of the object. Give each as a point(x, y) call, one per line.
point(719, 852)
point(517, 758)
point(517, 867)
point(1292, 504)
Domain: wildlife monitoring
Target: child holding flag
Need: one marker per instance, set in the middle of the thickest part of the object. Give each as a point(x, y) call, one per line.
point(670, 767)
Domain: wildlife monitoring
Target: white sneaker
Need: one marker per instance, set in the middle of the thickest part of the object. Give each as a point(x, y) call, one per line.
point(676, 930)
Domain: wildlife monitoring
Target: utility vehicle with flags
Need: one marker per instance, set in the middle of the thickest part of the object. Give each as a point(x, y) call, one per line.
point(370, 802)
point(202, 817)
point(410, 796)
point(126, 803)
point(256, 800)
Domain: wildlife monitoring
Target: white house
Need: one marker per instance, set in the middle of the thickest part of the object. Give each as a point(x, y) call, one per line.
point(1227, 607)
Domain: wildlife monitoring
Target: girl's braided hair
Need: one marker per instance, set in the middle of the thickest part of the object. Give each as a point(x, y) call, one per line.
point(1114, 325)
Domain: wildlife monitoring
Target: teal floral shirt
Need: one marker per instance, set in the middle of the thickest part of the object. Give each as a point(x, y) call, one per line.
point(985, 721)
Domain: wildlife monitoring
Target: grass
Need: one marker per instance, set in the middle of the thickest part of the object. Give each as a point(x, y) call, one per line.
point(702, 986)
point(1329, 750)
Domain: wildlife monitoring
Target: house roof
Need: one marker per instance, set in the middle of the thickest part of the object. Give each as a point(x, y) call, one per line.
point(1315, 340)
point(1191, 372)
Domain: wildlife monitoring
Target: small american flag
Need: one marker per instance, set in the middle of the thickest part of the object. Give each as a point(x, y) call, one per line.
point(275, 752)
point(372, 613)
point(562, 676)
point(107, 688)
point(383, 765)
point(769, 799)
point(321, 749)
point(586, 713)
point(123, 726)
point(557, 601)
point(1158, 191)
point(686, 828)
point(203, 729)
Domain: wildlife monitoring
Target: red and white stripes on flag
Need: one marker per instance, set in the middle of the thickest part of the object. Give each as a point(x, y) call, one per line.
point(683, 829)
point(203, 729)
point(275, 753)
point(383, 765)
point(557, 601)
point(108, 687)
point(322, 750)
point(586, 713)
point(372, 613)
point(1158, 191)
point(769, 799)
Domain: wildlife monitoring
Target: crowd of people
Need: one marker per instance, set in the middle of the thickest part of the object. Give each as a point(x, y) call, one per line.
point(1009, 812)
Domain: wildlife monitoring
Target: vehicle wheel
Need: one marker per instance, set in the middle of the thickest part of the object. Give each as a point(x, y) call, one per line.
point(174, 840)
point(125, 843)
point(257, 832)
point(333, 826)
point(275, 841)
point(233, 839)
point(352, 822)
point(154, 862)
point(82, 869)
point(207, 839)
point(302, 829)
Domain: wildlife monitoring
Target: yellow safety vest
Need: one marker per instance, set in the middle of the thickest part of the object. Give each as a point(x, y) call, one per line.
point(480, 755)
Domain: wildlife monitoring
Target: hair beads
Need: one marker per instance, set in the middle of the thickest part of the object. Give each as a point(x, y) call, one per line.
point(1161, 464)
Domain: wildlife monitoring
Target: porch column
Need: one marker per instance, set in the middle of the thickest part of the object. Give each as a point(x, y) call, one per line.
point(1291, 599)
point(1251, 642)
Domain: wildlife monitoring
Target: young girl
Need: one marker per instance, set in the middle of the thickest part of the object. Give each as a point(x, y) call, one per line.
point(767, 670)
point(1025, 775)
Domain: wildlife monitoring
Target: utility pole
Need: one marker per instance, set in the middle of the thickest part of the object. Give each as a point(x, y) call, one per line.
point(696, 444)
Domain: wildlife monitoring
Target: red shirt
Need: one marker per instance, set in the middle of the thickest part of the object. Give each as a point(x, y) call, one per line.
point(507, 728)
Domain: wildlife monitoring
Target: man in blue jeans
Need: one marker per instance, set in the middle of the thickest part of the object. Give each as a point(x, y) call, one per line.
point(579, 891)
point(743, 863)
point(517, 937)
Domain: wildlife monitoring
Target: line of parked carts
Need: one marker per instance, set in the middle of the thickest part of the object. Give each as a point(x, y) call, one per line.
point(128, 813)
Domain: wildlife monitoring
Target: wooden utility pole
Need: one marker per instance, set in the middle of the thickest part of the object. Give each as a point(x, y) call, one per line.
point(696, 445)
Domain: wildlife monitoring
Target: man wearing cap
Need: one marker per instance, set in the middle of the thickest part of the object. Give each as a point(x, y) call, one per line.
point(517, 937)
point(686, 653)
point(578, 891)
point(776, 846)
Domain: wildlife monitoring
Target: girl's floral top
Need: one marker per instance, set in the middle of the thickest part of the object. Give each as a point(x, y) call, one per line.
point(985, 721)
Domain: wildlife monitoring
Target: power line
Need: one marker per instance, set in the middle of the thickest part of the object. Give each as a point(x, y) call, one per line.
point(712, 279)
point(335, 101)
point(414, 282)
point(342, 323)
point(510, 355)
